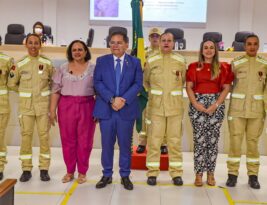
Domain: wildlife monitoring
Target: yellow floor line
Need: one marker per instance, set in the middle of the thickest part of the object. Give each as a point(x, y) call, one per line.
point(249, 202)
point(69, 193)
point(228, 196)
point(40, 193)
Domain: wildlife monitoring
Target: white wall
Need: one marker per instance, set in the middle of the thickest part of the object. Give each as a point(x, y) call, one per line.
point(70, 19)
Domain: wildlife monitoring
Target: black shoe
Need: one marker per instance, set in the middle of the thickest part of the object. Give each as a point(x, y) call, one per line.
point(231, 181)
point(164, 149)
point(104, 181)
point(126, 182)
point(26, 176)
point(141, 149)
point(152, 181)
point(253, 182)
point(1, 176)
point(44, 175)
point(177, 181)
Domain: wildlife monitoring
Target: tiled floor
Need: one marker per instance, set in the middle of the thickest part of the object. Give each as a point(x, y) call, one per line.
point(36, 192)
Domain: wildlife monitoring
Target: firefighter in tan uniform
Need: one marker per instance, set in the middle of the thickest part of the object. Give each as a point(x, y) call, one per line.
point(153, 49)
point(163, 79)
point(6, 63)
point(32, 78)
point(246, 111)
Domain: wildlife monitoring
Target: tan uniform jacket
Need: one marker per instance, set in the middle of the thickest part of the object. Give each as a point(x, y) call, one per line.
point(6, 63)
point(150, 52)
point(32, 79)
point(249, 88)
point(164, 79)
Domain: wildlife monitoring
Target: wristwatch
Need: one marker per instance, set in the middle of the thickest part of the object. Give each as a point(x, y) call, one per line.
point(112, 100)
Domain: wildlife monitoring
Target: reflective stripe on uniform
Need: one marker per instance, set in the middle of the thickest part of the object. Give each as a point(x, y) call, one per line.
point(175, 164)
point(261, 60)
point(178, 58)
point(233, 159)
point(230, 118)
point(25, 156)
point(2, 154)
point(253, 160)
point(142, 133)
point(3, 92)
point(238, 95)
point(258, 97)
point(156, 92)
point(176, 92)
point(152, 164)
point(153, 58)
point(243, 60)
point(147, 121)
point(43, 60)
point(25, 95)
point(45, 93)
point(23, 62)
point(45, 156)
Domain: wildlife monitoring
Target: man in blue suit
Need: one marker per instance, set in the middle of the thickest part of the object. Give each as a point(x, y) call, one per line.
point(118, 78)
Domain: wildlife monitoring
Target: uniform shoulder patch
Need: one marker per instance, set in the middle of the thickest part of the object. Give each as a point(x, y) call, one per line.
point(154, 58)
point(178, 57)
point(239, 60)
point(261, 60)
point(45, 60)
point(4, 57)
point(23, 61)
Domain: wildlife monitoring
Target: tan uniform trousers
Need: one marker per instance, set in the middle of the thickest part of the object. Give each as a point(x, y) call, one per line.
point(3, 124)
point(143, 134)
point(238, 127)
point(158, 127)
point(27, 126)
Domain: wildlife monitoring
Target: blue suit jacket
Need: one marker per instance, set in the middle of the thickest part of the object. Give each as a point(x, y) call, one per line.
point(105, 85)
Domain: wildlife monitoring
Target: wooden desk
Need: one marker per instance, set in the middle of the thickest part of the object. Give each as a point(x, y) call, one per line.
point(7, 192)
point(53, 52)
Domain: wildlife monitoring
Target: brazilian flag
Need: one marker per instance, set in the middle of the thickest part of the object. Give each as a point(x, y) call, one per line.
point(138, 50)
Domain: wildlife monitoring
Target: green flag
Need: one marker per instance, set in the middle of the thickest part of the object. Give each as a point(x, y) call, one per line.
point(138, 50)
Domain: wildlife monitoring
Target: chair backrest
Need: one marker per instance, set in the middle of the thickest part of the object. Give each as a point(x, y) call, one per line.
point(15, 34)
point(178, 35)
point(215, 36)
point(114, 29)
point(90, 38)
point(48, 32)
point(239, 42)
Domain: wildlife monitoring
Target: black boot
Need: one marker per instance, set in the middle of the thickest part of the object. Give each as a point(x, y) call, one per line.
point(231, 181)
point(164, 149)
point(152, 181)
point(141, 149)
point(253, 182)
point(44, 175)
point(26, 176)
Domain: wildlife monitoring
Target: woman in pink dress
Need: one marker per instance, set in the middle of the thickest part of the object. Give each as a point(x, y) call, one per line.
point(73, 98)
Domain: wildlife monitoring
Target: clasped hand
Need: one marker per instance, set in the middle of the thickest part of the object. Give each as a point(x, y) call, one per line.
point(118, 103)
point(210, 110)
